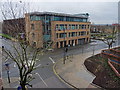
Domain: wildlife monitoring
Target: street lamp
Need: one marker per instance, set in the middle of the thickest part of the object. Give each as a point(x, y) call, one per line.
point(7, 68)
point(82, 49)
point(65, 48)
point(93, 44)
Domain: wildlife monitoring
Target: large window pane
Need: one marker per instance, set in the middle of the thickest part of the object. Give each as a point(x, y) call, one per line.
point(61, 26)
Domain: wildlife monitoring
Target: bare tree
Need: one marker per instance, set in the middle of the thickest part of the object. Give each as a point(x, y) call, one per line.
point(20, 51)
point(13, 17)
point(109, 38)
point(25, 60)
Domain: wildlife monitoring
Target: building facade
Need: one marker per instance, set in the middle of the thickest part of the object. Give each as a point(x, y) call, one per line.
point(57, 29)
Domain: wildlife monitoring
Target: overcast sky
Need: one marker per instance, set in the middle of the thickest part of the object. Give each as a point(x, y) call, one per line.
point(101, 11)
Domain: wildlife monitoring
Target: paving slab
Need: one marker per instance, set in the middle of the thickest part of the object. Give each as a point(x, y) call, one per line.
point(75, 72)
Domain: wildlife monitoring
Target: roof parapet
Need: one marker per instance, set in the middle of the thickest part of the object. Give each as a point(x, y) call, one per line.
point(86, 15)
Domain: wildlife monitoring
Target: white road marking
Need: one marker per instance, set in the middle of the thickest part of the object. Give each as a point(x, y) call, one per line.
point(37, 59)
point(52, 60)
point(38, 66)
point(42, 79)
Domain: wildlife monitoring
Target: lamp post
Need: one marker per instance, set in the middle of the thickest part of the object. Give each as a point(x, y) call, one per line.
point(64, 48)
point(7, 68)
point(82, 49)
point(93, 44)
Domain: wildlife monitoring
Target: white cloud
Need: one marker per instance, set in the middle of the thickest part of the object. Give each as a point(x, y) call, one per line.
point(100, 12)
point(63, 0)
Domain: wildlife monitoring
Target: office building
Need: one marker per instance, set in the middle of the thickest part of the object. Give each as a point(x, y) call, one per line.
point(57, 29)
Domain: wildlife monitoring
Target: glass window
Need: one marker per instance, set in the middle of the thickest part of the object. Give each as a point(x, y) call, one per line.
point(65, 34)
point(61, 18)
point(80, 26)
point(88, 26)
point(42, 18)
point(65, 27)
point(76, 26)
point(56, 27)
point(73, 19)
point(58, 18)
point(35, 18)
point(83, 33)
point(87, 32)
point(69, 19)
point(57, 35)
point(77, 19)
point(73, 26)
point(69, 27)
point(84, 26)
point(79, 33)
point(84, 20)
point(48, 17)
point(32, 18)
point(73, 34)
point(62, 35)
point(62, 27)
point(76, 33)
point(69, 34)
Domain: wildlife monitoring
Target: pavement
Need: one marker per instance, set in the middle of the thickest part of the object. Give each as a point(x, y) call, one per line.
point(14, 82)
point(46, 77)
point(74, 73)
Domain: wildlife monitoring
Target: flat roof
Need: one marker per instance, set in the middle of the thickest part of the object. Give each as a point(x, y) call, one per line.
point(60, 14)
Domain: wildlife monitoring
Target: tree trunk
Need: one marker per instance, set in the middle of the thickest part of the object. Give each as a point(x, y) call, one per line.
point(23, 86)
point(109, 46)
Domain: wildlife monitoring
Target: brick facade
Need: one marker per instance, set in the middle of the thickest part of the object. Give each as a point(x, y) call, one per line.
point(42, 28)
point(34, 33)
point(69, 40)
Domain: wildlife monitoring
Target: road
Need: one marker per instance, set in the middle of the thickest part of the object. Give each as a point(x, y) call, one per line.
point(45, 77)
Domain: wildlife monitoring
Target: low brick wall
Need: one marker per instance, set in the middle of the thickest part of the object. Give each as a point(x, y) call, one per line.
point(113, 68)
point(112, 56)
point(103, 54)
point(107, 55)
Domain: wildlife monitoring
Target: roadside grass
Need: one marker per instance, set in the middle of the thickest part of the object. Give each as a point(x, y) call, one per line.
point(6, 36)
point(104, 62)
point(110, 71)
